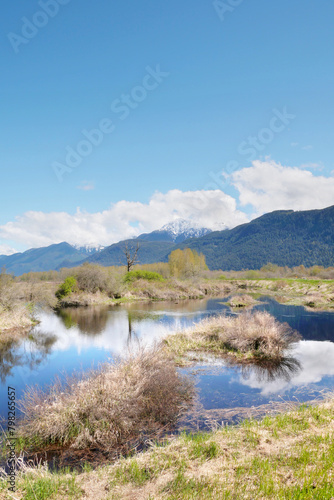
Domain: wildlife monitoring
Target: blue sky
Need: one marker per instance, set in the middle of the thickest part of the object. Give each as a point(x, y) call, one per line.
point(231, 70)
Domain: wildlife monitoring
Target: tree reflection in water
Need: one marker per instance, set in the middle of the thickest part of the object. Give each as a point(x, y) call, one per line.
point(93, 321)
point(90, 320)
point(30, 353)
point(136, 317)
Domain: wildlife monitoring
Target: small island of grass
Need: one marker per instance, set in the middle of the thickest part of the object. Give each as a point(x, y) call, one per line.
point(245, 337)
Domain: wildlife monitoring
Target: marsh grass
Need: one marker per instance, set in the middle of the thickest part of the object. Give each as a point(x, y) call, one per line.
point(10, 319)
point(258, 337)
point(17, 305)
point(122, 402)
point(242, 301)
point(290, 455)
point(36, 482)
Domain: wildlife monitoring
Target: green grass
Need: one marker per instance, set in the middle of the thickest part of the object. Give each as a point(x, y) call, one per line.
point(288, 456)
point(132, 276)
point(49, 487)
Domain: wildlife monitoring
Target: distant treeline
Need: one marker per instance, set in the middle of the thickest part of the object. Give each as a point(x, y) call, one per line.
point(164, 269)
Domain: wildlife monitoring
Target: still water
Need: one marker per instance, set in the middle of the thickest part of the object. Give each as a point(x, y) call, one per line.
point(79, 339)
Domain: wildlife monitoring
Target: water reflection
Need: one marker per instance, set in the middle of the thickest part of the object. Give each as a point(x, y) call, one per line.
point(31, 355)
point(77, 338)
point(316, 361)
point(266, 371)
point(89, 320)
point(313, 325)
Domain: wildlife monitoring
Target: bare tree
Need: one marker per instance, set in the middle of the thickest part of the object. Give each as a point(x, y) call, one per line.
point(131, 255)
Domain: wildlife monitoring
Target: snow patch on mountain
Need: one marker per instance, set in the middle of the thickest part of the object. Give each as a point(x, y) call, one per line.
point(88, 249)
point(184, 228)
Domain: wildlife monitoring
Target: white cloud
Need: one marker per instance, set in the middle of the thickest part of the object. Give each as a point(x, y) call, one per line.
point(124, 219)
point(265, 186)
point(308, 354)
point(311, 166)
point(269, 186)
point(7, 250)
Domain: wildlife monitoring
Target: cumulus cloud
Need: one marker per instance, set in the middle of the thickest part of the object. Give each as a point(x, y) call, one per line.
point(123, 219)
point(269, 186)
point(7, 250)
point(265, 186)
point(308, 354)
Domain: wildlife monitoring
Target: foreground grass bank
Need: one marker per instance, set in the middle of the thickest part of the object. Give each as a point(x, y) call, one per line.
point(282, 457)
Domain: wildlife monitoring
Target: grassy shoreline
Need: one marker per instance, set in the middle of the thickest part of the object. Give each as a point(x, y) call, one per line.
point(16, 323)
point(290, 455)
point(313, 294)
point(316, 295)
point(287, 456)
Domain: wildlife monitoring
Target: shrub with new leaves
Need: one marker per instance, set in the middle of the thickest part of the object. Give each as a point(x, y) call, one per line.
point(186, 263)
point(66, 288)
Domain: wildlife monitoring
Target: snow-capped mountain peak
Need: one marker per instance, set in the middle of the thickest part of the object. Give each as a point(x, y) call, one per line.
point(181, 229)
point(178, 226)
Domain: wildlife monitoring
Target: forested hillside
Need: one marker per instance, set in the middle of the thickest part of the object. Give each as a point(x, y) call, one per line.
point(284, 237)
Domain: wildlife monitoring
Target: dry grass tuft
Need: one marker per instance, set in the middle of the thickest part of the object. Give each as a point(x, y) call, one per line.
point(242, 301)
point(19, 317)
point(119, 403)
point(257, 335)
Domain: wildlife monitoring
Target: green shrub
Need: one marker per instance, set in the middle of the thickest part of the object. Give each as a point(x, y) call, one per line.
point(144, 275)
point(66, 288)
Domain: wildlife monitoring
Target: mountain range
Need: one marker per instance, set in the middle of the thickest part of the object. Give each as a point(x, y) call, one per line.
point(284, 237)
point(43, 259)
point(154, 247)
